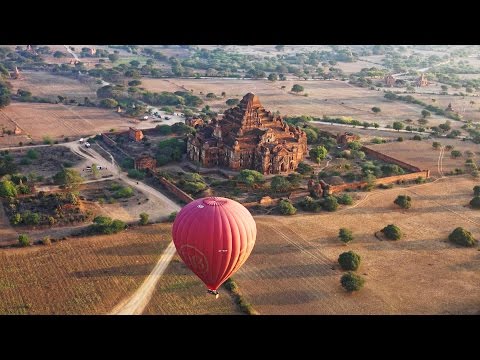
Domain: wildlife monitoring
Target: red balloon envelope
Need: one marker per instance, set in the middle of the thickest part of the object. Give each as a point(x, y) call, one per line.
point(214, 236)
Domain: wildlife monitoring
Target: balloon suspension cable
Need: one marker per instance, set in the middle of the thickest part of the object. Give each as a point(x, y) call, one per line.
point(213, 292)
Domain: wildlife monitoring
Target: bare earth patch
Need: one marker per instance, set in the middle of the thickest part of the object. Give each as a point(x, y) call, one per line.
point(59, 121)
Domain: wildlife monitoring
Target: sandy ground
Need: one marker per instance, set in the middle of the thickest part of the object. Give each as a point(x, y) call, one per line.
point(294, 270)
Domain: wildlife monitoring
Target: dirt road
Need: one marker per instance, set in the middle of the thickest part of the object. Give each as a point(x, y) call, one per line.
point(135, 305)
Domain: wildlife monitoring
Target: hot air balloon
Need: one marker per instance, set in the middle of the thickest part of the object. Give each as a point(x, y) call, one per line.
point(214, 236)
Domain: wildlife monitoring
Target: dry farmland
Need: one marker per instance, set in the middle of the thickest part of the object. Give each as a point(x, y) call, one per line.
point(332, 98)
point(81, 275)
point(460, 104)
point(46, 85)
point(423, 155)
point(179, 292)
point(294, 270)
point(59, 121)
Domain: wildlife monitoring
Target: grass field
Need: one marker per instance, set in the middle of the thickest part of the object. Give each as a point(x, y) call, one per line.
point(294, 270)
point(59, 121)
point(79, 276)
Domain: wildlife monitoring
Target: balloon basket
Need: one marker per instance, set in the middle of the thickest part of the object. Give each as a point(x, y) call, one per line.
point(214, 292)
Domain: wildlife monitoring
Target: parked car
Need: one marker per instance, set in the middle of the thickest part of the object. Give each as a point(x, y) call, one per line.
point(87, 144)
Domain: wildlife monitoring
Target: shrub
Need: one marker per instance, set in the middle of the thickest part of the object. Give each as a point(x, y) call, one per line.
point(420, 180)
point(352, 282)
point(23, 240)
point(105, 225)
point(392, 232)
point(280, 184)
point(286, 208)
point(46, 241)
point(475, 202)
point(144, 218)
point(349, 260)
point(123, 192)
point(462, 237)
point(417, 137)
point(304, 169)
point(345, 235)
point(400, 138)
point(32, 154)
point(330, 203)
point(172, 216)
point(310, 204)
point(404, 201)
point(345, 199)
point(136, 174)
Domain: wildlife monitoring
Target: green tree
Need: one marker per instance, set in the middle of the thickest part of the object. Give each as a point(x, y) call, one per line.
point(280, 184)
point(272, 77)
point(7, 189)
point(475, 202)
point(4, 94)
point(172, 216)
point(95, 171)
point(69, 178)
point(144, 218)
point(250, 177)
point(113, 57)
point(404, 201)
point(286, 208)
point(135, 63)
point(397, 125)
point(297, 88)
point(232, 102)
point(23, 240)
point(108, 103)
point(456, 153)
point(318, 153)
point(462, 237)
point(436, 145)
point(355, 145)
point(349, 260)
point(330, 203)
point(444, 87)
point(345, 235)
point(345, 199)
point(312, 135)
point(376, 110)
point(134, 83)
point(476, 190)
point(352, 282)
point(392, 232)
point(32, 154)
point(304, 169)
point(426, 113)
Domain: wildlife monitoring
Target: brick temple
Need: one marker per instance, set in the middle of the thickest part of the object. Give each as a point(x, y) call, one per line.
point(248, 137)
